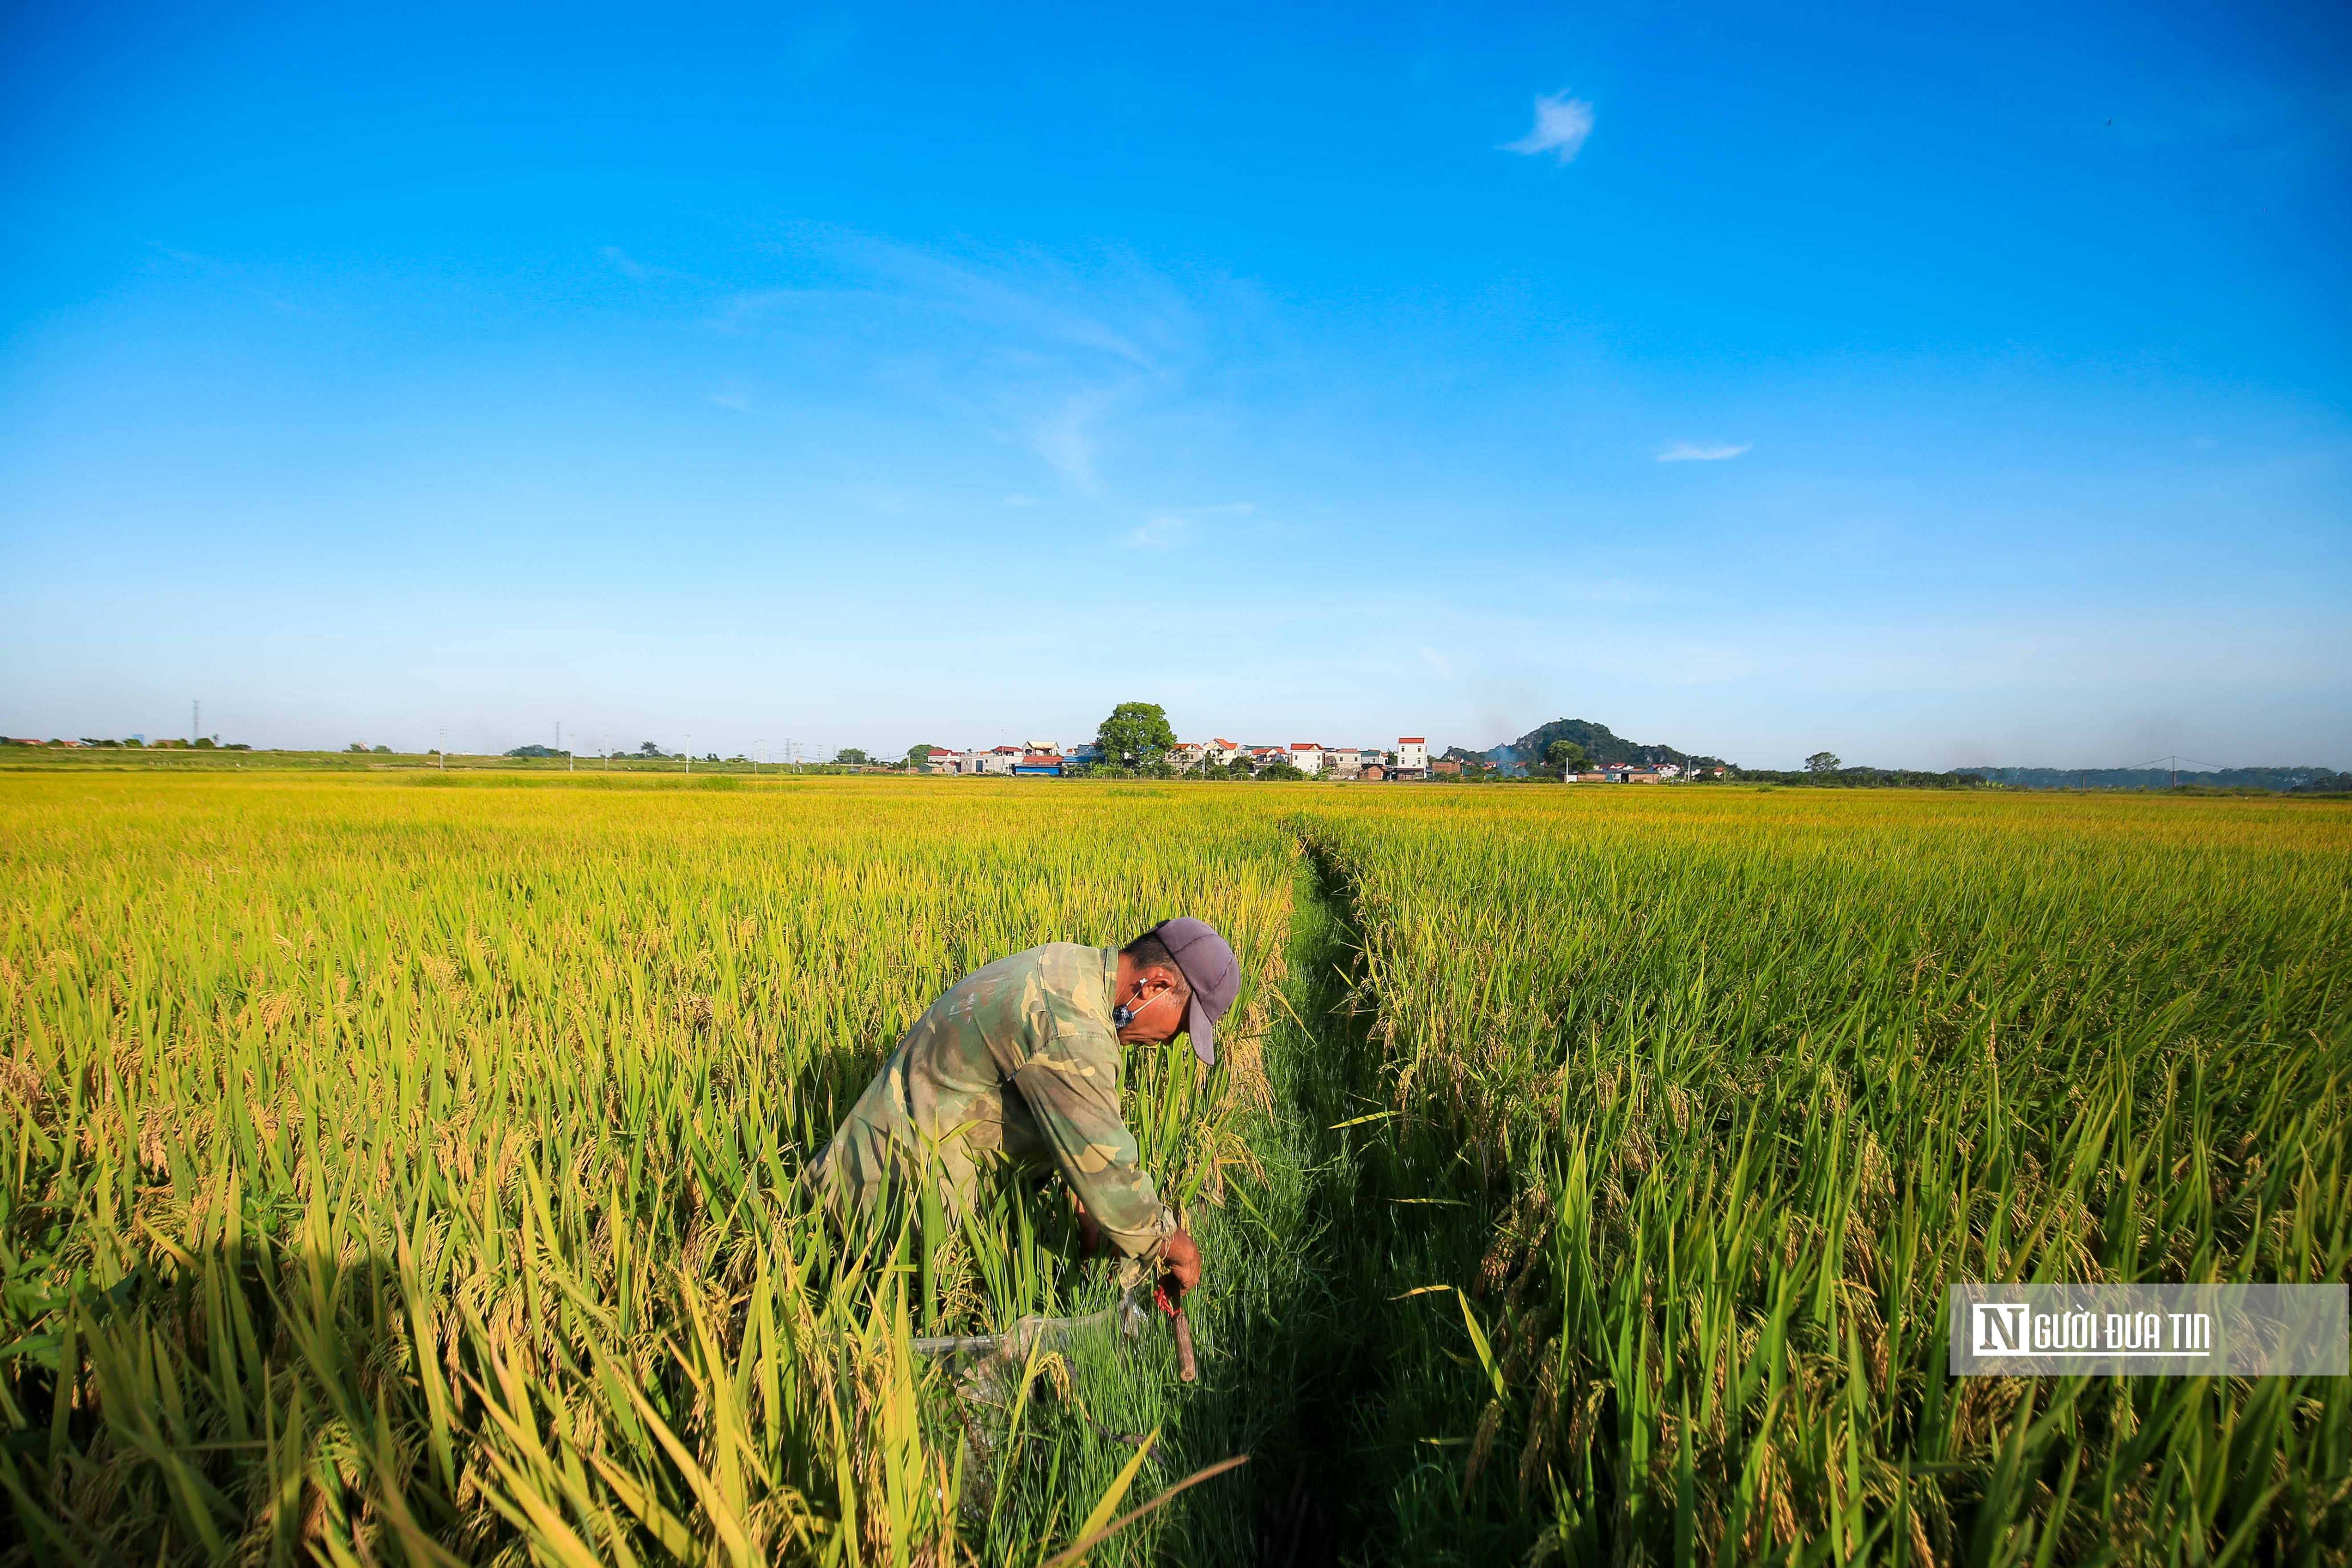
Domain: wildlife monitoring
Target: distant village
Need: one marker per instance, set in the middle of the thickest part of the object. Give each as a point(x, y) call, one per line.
point(1043, 759)
point(1407, 761)
point(1540, 756)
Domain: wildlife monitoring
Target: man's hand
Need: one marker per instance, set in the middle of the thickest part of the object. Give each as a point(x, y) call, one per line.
point(1180, 1270)
point(1180, 1266)
point(1182, 1258)
point(1090, 1236)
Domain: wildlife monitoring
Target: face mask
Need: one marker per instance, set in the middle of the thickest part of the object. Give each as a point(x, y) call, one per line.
point(1123, 1015)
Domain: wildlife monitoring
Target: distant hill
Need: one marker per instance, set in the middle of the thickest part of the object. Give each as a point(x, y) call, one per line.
point(1600, 743)
point(2293, 779)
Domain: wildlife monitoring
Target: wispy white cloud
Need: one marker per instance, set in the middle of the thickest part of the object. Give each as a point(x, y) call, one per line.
point(1561, 126)
point(1176, 527)
point(1697, 452)
point(629, 267)
point(1166, 532)
point(1065, 439)
point(1084, 362)
point(1131, 319)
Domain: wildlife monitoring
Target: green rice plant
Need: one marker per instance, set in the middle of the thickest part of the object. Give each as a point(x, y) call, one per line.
point(400, 1173)
point(1734, 1087)
point(414, 1173)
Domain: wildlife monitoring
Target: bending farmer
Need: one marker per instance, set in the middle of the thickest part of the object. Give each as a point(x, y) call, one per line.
point(1019, 1063)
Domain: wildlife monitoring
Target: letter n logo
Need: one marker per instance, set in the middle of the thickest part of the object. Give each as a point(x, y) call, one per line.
point(2000, 1327)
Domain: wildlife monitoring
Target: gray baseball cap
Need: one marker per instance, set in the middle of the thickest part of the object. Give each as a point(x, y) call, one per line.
point(1211, 972)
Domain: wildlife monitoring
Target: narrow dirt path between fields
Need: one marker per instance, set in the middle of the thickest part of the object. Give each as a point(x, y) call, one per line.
point(1310, 1505)
point(1326, 1481)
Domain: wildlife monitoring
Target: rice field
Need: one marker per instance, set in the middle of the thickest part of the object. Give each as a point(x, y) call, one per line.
point(1768, 1071)
point(406, 1171)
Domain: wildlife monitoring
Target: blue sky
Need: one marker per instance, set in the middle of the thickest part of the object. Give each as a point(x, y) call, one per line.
point(1937, 389)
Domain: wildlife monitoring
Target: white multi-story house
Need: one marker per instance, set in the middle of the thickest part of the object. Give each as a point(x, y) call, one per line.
point(1670, 770)
point(1307, 756)
point(1223, 752)
point(995, 760)
point(1186, 753)
point(1411, 757)
point(1343, 762)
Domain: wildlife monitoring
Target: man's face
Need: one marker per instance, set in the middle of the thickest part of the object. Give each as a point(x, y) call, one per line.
point(1155, 1001)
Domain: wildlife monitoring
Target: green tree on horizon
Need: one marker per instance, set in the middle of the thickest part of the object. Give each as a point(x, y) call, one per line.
point(1136, 733)
point(1565, 757)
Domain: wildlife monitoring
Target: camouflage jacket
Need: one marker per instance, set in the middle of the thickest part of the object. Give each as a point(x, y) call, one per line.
point(1017, 1064)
